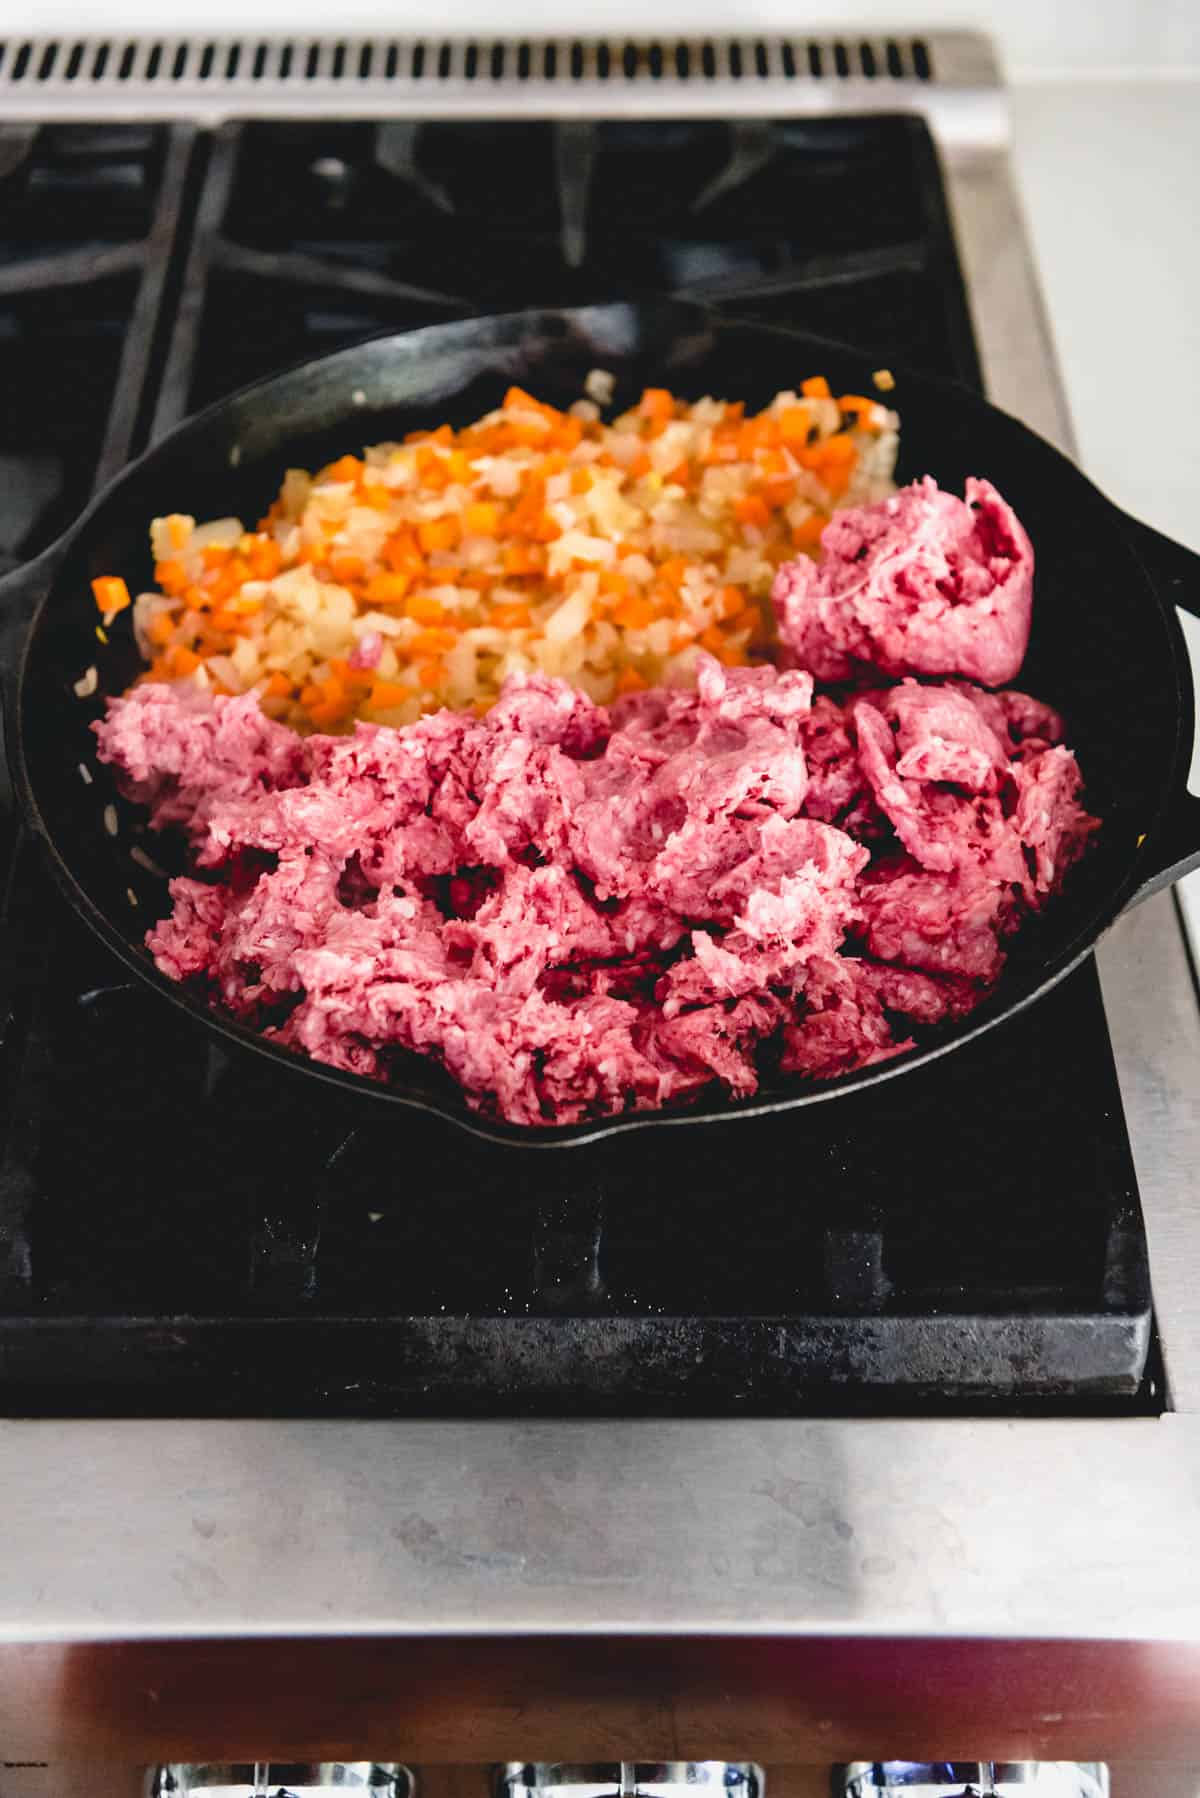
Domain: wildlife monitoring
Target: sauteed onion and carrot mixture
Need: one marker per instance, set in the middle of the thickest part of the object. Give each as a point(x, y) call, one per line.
point(422, 574)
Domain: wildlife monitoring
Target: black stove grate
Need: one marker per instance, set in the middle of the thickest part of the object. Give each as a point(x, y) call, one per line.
point(182, 1233)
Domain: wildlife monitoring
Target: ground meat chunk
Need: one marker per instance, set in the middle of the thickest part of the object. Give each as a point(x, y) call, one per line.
point(940, 923)
point(1050, 819)
point(836, 783)
point(182, 756)
point(841, 1024)
point(919, 583)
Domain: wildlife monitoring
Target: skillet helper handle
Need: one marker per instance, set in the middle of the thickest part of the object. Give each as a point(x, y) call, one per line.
point(1174, 569)
point(1175, 572)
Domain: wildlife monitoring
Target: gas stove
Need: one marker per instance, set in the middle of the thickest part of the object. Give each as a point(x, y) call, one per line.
point(914, 1366)
point(186, 1235)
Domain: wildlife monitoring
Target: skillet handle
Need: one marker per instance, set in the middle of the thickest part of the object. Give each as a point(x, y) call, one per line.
point(1176, 848)
point(1175, 572)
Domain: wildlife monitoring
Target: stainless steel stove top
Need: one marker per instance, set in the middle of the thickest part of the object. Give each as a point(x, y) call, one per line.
point(939, 1528)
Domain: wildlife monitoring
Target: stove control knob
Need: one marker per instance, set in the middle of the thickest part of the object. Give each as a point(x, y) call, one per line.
point(974, 1779)
point(631, 1779)
point(280, 1779)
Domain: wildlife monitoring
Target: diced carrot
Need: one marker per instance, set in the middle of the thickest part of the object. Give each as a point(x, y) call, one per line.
point(517, 400)
point(387, 693)
point(182, 660)
point(759, 620)
point(229, 579)
point(733, 601)
point(510, 616)
point(630, 681)
point(815, 388)
point(401, 554)
point(723, 446)
point(438, 533)
point(424, 609)
point(751, 508)
point(458, 466)
point(612, 584)
point(640, 465)
point(326, 712)
point(581, 480)
point(482, 518)
point(528, 433)
point(278, 686)
point(657, 403)
point(713, 640)
point(795, 422)
point(832, 461)
point(680, 475)
point(751, 436)
point(376, 495)
point(864, 411)
point(110, 593)
point(161, 628)
point(215, 555)
point(433, 641)
point(346, 468)
point(523, 558)
point(265, 558)
point(807, 533)
point(171, 577)
point(431, 674)
point(386, 589)
point(778, 493)
point(310, 695)
point(179, 529)
point(633, 613)
point(838, 448)
point(347, 568)
point(431, 469)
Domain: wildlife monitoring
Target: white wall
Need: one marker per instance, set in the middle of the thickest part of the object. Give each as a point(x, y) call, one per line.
point(1037, 38)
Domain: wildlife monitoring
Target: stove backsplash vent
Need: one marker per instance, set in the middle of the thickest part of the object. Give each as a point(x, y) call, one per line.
point(215, 79)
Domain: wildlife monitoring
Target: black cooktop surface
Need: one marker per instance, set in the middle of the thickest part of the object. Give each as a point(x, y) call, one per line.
point(179, 1233)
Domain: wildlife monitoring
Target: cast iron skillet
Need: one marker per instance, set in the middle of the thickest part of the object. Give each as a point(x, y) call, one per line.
point(1106, 648)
